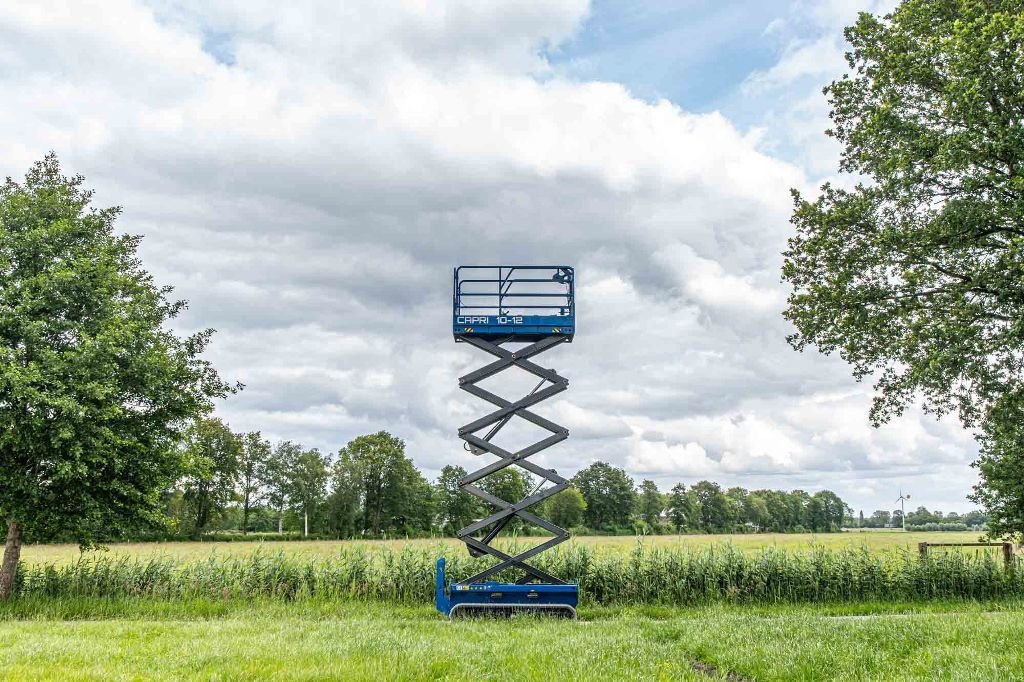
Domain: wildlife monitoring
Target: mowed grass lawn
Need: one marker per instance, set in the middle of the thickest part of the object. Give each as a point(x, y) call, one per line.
point(875, 540)
point(954, 642)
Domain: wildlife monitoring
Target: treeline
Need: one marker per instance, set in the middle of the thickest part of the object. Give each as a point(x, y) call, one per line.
point(613, 503)
point(240, 482)
point(922, 519)
point(370, 488)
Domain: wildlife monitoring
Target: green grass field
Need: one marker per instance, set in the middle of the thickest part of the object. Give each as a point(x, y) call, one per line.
point(317, 641)
point(202, 632)
point(875, 540)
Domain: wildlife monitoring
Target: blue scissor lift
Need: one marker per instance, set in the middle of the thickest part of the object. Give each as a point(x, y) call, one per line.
point(494, 306)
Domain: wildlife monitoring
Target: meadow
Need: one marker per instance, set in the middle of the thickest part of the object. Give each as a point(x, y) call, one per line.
point(783, 607)
point(881, 540)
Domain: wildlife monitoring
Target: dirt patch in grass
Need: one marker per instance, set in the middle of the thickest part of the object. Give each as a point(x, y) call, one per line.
point(709, 670)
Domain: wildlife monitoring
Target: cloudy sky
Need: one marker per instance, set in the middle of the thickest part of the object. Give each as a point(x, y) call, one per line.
point(307, 174)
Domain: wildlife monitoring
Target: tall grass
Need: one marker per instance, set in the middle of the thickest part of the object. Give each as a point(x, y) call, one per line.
point(647, 575)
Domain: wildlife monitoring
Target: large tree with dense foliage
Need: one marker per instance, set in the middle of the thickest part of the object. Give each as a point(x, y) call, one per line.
point(566, 508)
point(456, 508)
point(756, 511)
point(255, 452)
point(712, 507)
point(346, 498)
point(609, 493)
point(275, 473)
point(681, 508)
point(1001, 467)
point(212, 455)
point(95, 388)
point(650, 503)
point(916, 274)
point(393, 493)
point(307, 484)
point(825, 512)
point(510, 484)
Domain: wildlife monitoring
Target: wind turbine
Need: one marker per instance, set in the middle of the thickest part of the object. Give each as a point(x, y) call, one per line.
point(903, 513)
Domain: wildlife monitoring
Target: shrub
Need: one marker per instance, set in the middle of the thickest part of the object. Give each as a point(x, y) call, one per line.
point(933, 527)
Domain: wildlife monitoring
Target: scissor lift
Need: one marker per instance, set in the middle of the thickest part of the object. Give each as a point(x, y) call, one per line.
point(494, 306)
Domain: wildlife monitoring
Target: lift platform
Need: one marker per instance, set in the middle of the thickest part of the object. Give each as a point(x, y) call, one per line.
point(494, 306)
point(530, 302)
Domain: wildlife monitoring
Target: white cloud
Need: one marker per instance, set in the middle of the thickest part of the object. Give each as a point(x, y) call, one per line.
point(658, 457)
point(800, 59)
point(309, 184)
point(792, 113)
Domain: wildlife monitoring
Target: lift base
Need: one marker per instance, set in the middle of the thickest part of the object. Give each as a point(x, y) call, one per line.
point(503, 599)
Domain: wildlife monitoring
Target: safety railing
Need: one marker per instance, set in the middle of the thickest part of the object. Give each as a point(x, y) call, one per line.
point(514, 290)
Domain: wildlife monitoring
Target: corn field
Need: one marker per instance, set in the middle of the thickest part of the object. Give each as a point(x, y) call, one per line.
point(646, 575)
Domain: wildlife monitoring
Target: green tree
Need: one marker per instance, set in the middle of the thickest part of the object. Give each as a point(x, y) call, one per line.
point(680, 508)
point(415, 510)
point(650, 503)
point(922, 516)
point(879, 519)
point(609, 493)
point(814, 516)
point(457, 508)
point(796, 502)
point(1001, 467)
point(394, 495)
point(95, 388)
point(211, 466)
point(737, 504)
point(566, 508)
point(757, 511)
point(916, 275)
point(510, 484)
point(829, 511)
point(975, 518)
point(275, 473)
point(777, 510)
point(307, 484)
point(251, 488)
point(712, 507)
point(345, 502)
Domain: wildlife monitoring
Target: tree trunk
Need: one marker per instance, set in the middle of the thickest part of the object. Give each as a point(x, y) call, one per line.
point(202, 516)
point(305, 521)
point(280, 522)
point(12, 553)
point(245, 518)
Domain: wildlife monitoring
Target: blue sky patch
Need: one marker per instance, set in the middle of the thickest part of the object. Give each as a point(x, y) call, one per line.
point(692, 52)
